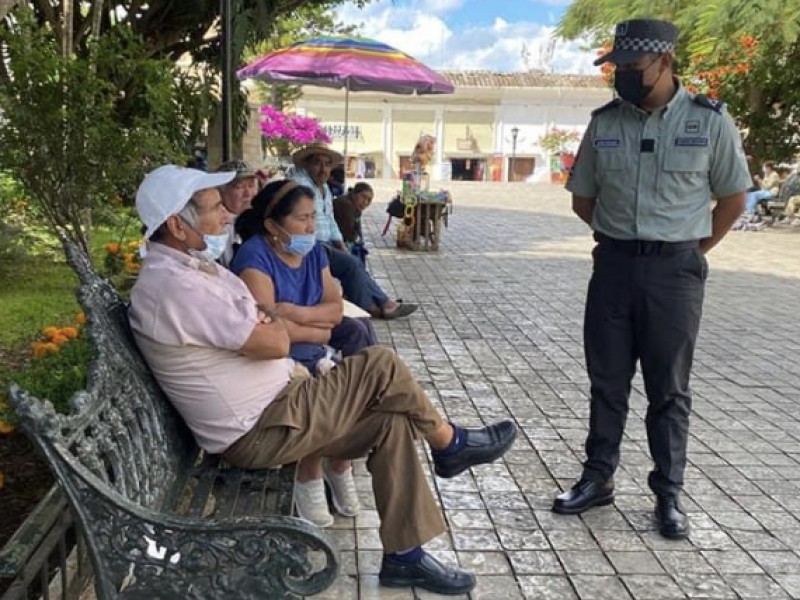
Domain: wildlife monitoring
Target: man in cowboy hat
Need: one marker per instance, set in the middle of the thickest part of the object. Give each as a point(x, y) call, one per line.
point(643, 180)
point(313, 169)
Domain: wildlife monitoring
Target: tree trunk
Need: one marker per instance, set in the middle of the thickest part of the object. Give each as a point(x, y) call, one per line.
point(67, 32)
point(6, 6)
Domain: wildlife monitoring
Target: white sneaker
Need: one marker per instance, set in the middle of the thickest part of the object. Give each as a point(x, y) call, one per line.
point(310, 504)
point(343, 491)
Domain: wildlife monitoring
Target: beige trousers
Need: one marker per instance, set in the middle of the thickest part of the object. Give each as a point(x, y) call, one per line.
point(368, 405)
point(791, 206)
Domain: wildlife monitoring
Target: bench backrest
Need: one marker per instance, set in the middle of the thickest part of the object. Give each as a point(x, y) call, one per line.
point(122, 437)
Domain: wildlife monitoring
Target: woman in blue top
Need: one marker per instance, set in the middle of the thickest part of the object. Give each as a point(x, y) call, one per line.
point(287, 272)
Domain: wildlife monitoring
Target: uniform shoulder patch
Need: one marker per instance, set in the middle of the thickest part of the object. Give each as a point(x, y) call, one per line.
point(608, 106)
point(706, 102)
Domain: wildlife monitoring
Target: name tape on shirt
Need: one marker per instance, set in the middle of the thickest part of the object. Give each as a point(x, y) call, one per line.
point(607, 143)
point(691, 141)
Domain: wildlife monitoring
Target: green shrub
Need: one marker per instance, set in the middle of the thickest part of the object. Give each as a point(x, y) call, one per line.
point(57, 369)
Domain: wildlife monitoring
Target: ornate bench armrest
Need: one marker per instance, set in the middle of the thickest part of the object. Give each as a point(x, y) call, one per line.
point(157, 555)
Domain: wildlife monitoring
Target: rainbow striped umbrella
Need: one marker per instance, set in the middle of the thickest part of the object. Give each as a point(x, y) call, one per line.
point(356, 64)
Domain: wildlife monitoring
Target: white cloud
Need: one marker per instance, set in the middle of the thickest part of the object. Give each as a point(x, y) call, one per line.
point(499, 24)
point(421, 30)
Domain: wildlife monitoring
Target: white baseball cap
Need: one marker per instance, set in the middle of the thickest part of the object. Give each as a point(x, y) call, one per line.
point(165, 191)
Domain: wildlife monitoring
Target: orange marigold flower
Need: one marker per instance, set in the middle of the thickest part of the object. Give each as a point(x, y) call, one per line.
point(6, 427)
point(38, 350)
point(134, 245)
point(112, 248)
point(80, 318)
point(69, 332)
point(50, 331)
point(59, 340)
point(51, 348)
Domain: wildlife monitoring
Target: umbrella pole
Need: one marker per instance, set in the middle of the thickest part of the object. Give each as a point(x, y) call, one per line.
point(346, 121)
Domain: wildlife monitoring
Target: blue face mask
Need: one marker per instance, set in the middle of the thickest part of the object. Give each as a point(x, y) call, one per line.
point(300, 244)
point(215, 246)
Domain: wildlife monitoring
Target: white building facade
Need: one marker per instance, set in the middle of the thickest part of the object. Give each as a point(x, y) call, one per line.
point(488, 130)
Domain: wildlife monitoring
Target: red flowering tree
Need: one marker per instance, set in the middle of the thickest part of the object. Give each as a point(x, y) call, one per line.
point(283, 133)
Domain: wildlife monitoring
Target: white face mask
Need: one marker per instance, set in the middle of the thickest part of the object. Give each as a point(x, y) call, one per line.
point(215, 247)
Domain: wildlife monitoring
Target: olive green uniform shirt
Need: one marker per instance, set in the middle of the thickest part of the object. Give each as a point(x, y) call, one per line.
point(653, 174)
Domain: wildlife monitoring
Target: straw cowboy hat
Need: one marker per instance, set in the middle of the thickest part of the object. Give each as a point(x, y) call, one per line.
point(300, 156)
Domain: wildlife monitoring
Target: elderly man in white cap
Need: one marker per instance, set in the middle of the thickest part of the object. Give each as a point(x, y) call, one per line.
point(313, 169)
point(224, 364)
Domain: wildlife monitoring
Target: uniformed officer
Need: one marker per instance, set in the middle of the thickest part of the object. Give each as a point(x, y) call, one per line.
point(647, 168)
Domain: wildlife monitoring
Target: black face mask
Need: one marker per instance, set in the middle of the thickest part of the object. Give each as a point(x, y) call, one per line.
point(630, 84)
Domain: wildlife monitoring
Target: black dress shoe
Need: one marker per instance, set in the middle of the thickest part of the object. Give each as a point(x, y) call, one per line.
point(428, 574)
point(481, 446)
point(672, 521)
point(403, 310)
point(584, 495)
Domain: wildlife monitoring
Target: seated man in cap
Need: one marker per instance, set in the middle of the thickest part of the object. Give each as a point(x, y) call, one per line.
point(236, 196)
point(224, 364)
point(313, 169)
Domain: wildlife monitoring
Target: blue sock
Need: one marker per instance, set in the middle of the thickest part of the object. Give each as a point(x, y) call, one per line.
point(456, 444)
point(412, 556)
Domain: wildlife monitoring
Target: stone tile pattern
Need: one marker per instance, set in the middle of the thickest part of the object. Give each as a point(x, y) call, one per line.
point(499, 335)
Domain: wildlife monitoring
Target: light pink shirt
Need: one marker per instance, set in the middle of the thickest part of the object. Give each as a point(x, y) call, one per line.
point(190, 323)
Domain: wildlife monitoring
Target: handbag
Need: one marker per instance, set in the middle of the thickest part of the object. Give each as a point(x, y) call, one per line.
point(396, 208)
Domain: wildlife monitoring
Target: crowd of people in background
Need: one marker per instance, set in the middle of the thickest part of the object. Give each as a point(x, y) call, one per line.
point(774, 198)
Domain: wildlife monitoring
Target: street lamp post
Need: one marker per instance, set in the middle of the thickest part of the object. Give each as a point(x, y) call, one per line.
point(514, 134)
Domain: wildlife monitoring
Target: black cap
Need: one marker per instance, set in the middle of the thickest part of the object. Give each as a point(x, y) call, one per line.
point(639, 36)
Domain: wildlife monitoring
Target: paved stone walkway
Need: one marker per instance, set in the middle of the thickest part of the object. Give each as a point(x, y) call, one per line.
point(498, 335)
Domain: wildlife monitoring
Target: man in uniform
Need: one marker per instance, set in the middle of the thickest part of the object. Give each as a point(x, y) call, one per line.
point(647, 168)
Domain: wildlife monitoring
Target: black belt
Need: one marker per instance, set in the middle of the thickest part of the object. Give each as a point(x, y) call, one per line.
point(644, 246)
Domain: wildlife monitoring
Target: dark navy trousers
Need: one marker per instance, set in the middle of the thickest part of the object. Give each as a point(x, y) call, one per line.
point(644, 304)
point(357, 284)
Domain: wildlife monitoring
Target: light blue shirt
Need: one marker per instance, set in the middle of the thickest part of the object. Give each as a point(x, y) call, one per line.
point(326, 229)
point(653, 174)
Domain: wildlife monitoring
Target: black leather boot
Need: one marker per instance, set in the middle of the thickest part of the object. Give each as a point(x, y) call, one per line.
point(672, 521)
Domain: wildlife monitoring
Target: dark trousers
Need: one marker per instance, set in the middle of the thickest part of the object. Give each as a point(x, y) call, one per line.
point(644, 303)
point(352, 335)
point(357, 284)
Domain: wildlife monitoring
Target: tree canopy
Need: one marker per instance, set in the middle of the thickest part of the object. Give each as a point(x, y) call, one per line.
point(92, 95)
point(746, 52)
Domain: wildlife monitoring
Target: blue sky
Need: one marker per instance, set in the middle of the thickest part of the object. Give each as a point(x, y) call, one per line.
point(498, 35)
point(476, 12)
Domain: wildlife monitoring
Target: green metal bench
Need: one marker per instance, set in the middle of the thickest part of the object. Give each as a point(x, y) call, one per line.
point(162, 519)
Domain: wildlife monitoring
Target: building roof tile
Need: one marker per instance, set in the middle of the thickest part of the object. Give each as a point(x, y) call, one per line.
point(491, 79)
